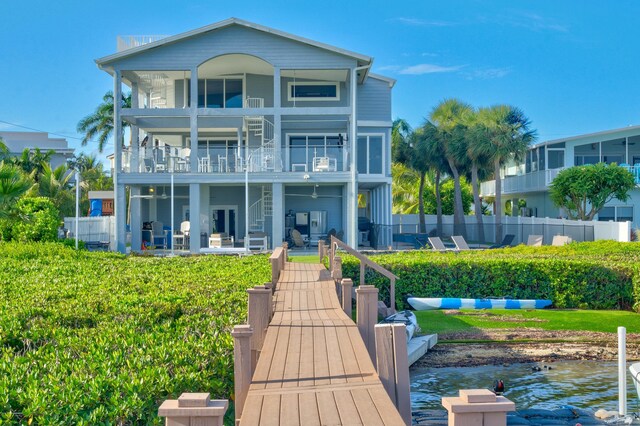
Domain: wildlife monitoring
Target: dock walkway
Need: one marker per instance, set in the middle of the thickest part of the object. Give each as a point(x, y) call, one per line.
point(314, 368)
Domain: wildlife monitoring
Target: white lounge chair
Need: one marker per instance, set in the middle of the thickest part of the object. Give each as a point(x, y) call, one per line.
point(437, 244)
point(534, 240)
point(460, 243)
point(560, 240)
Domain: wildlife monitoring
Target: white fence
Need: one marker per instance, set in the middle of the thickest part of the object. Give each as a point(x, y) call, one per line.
point(521, 227)
point(93, 229)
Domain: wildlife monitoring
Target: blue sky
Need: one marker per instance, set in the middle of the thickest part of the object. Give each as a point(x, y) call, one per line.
point(571, 65)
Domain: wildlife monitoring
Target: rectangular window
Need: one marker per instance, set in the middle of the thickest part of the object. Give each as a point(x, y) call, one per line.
point(220, 93)
point(313, 91)
point(306, 151)
point(616, 213)
point(370, 155)
point(556, 158)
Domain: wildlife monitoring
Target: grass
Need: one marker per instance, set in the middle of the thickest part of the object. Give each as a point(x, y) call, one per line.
point(306, 258)
point(552, 319)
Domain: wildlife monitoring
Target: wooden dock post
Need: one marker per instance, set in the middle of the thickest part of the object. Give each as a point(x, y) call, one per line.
point(193, 409)
point(347, 296)
point(321, 250)
point(477, 407)
point(285, 248)
point(258, 318)
point(367, 316)
point(336, 271)
point(393, 365)
point(242, 365)
point(277, 260)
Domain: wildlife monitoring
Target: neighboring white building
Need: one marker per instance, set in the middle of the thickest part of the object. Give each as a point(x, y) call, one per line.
point(17, 142)
point(304, 125)
point(530, 180)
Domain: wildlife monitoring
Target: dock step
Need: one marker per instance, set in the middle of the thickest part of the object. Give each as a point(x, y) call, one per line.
point(418, 346)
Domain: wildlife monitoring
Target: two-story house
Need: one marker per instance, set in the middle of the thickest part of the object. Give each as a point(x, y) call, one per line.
point(17, 142)
point(530, 180)
point(251, 128)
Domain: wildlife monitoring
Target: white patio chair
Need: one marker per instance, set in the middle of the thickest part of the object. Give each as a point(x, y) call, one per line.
point(460, 243)
point(534, 240)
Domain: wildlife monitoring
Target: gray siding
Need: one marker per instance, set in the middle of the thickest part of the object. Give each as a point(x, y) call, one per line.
point(260, 86)
point(374, 100)
point(276, 50)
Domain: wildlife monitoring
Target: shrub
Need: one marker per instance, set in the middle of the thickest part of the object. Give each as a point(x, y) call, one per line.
point(100, 338)
point(36, 219)
point(599, 275)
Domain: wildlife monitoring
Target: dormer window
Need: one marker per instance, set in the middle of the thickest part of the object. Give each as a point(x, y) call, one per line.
point(313, 91)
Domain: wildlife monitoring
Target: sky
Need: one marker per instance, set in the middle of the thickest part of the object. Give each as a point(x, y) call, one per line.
point(572, 66)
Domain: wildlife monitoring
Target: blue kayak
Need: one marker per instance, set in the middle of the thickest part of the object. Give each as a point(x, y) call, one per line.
point(430, 303)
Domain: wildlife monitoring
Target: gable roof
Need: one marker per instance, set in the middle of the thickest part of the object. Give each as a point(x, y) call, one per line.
point(104, 61)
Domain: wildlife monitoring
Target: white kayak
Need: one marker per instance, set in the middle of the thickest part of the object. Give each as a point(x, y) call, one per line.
point(405, 317)
point(430, 303)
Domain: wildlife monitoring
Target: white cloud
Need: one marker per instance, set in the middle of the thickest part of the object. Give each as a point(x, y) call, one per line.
point(389, 68)
point(429, 69)
point(417, 22)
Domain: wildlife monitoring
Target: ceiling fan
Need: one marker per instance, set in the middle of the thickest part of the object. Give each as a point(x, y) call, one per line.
point(164, 196)
point(314, 194)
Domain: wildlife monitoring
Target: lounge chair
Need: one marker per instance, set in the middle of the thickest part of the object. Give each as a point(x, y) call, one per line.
point(297, 239)
point(506, 242)
point(158, 235)
point(534, 240)
point(560, 240)
point(437, 244)
point(460, 243)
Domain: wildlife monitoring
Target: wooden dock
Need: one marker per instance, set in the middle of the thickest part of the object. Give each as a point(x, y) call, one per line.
point(313, 366)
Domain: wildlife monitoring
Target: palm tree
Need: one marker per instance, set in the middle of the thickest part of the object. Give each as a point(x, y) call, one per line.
point(14, 183)
point(4, 151)
point(100, 123)
point(32, 161)
point(479, 164)
point(404, 184)
point(55, 184)
point(450, 118)
point(503, 134)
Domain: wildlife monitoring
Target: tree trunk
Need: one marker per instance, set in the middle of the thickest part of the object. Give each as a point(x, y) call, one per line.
point(438, 205)
point(498, 212)
point(423, 227)
point(458, 210)
point(477, 202)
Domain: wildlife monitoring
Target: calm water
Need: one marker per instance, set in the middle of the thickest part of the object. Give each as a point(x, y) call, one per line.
point(584, 384)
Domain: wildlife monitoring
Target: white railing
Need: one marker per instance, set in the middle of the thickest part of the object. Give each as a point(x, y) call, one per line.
point(125, 42)
point(253, 102)
point(156, 160)
point(256, 216)
point(536, 181)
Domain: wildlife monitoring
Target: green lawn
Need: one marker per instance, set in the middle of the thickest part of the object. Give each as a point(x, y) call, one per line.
point(305, 258)
point(605, 321)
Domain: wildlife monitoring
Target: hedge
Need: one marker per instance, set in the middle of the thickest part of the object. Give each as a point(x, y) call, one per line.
point(100, 338)
point(600, 275)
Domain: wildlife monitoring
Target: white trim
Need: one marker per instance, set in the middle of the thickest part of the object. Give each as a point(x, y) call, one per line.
point(312, 83)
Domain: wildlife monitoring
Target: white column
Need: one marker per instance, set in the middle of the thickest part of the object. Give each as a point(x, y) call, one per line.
point(134, 149)
point(277, 220)
point(193, 116)
point(136, 220)
point(194, 216)
point(277, 120)
point(205, 226)
point(352, 188)
point(120, 206)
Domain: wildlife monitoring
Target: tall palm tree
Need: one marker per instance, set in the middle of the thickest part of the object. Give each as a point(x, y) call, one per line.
point(451, 117)
point(503, 134)
point(100, 123)
point(32, 161)
point(404, 184)
point(479, 165)
point(14, 183)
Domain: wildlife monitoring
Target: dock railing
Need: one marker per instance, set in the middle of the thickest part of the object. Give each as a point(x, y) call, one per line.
point(365, 262)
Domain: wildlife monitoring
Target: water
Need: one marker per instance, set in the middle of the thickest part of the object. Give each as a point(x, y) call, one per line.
point(583, 384)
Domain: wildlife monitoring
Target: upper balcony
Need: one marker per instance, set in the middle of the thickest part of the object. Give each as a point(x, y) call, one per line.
point(227, 81)
point(529, 182)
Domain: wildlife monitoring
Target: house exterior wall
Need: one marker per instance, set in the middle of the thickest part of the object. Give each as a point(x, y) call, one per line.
point(290, 189)
point(533, 187)
point(17, 142)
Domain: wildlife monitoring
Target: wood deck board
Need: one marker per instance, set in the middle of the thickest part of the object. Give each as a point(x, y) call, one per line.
point(314, 367)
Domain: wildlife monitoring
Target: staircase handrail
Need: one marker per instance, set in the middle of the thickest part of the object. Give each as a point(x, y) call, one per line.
point(365, 262)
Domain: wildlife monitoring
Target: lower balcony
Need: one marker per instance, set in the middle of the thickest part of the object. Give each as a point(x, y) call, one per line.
point(530, 182)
